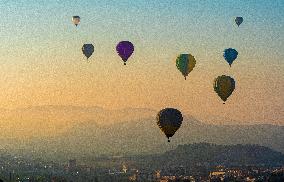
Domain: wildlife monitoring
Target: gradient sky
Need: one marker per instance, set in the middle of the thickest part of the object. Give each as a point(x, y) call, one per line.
point(41, 61)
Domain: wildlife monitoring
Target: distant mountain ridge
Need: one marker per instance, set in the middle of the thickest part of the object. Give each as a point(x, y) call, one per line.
point(144, 137)
point(72, 131)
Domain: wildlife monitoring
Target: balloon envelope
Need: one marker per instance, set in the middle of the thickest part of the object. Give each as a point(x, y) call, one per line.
point(239, 20)
point(76, 20)
point(125, 50)
point(169, 121)
point(88, 50)
point(224, 86)
point(185, 64)
point(230, 55)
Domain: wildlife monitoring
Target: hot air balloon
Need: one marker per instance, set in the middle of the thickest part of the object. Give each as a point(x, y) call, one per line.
point(239, 20)
point(124, 50)
point(230, 55)
point(185, 64)
point(169, 120)
point(76, 20)
point(224, 86)
point(88, 50)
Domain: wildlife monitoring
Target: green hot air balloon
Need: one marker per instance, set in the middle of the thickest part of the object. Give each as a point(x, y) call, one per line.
point(169, 121)
point(185, 64)
point(224, 86)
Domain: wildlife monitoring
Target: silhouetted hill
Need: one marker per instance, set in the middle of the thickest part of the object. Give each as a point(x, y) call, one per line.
point(205, 154)
point(226, 154)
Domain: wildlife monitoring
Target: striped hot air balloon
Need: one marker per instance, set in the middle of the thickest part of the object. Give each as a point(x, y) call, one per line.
point(185, 64)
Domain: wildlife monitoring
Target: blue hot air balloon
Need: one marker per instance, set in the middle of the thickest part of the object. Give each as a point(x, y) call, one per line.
point(230, 55)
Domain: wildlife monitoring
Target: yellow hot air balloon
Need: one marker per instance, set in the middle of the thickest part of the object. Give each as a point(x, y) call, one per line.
point(224, 86)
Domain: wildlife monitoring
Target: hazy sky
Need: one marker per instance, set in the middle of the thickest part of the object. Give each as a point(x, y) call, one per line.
point(41, 61)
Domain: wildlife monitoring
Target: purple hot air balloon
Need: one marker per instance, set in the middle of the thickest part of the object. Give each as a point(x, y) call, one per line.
point(124, 50)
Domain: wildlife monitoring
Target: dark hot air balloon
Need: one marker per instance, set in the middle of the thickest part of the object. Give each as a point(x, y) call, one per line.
point(239, 20)
point(169, 121)
point(88, 50)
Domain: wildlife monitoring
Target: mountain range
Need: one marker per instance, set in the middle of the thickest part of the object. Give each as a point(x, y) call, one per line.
point(69, 131)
